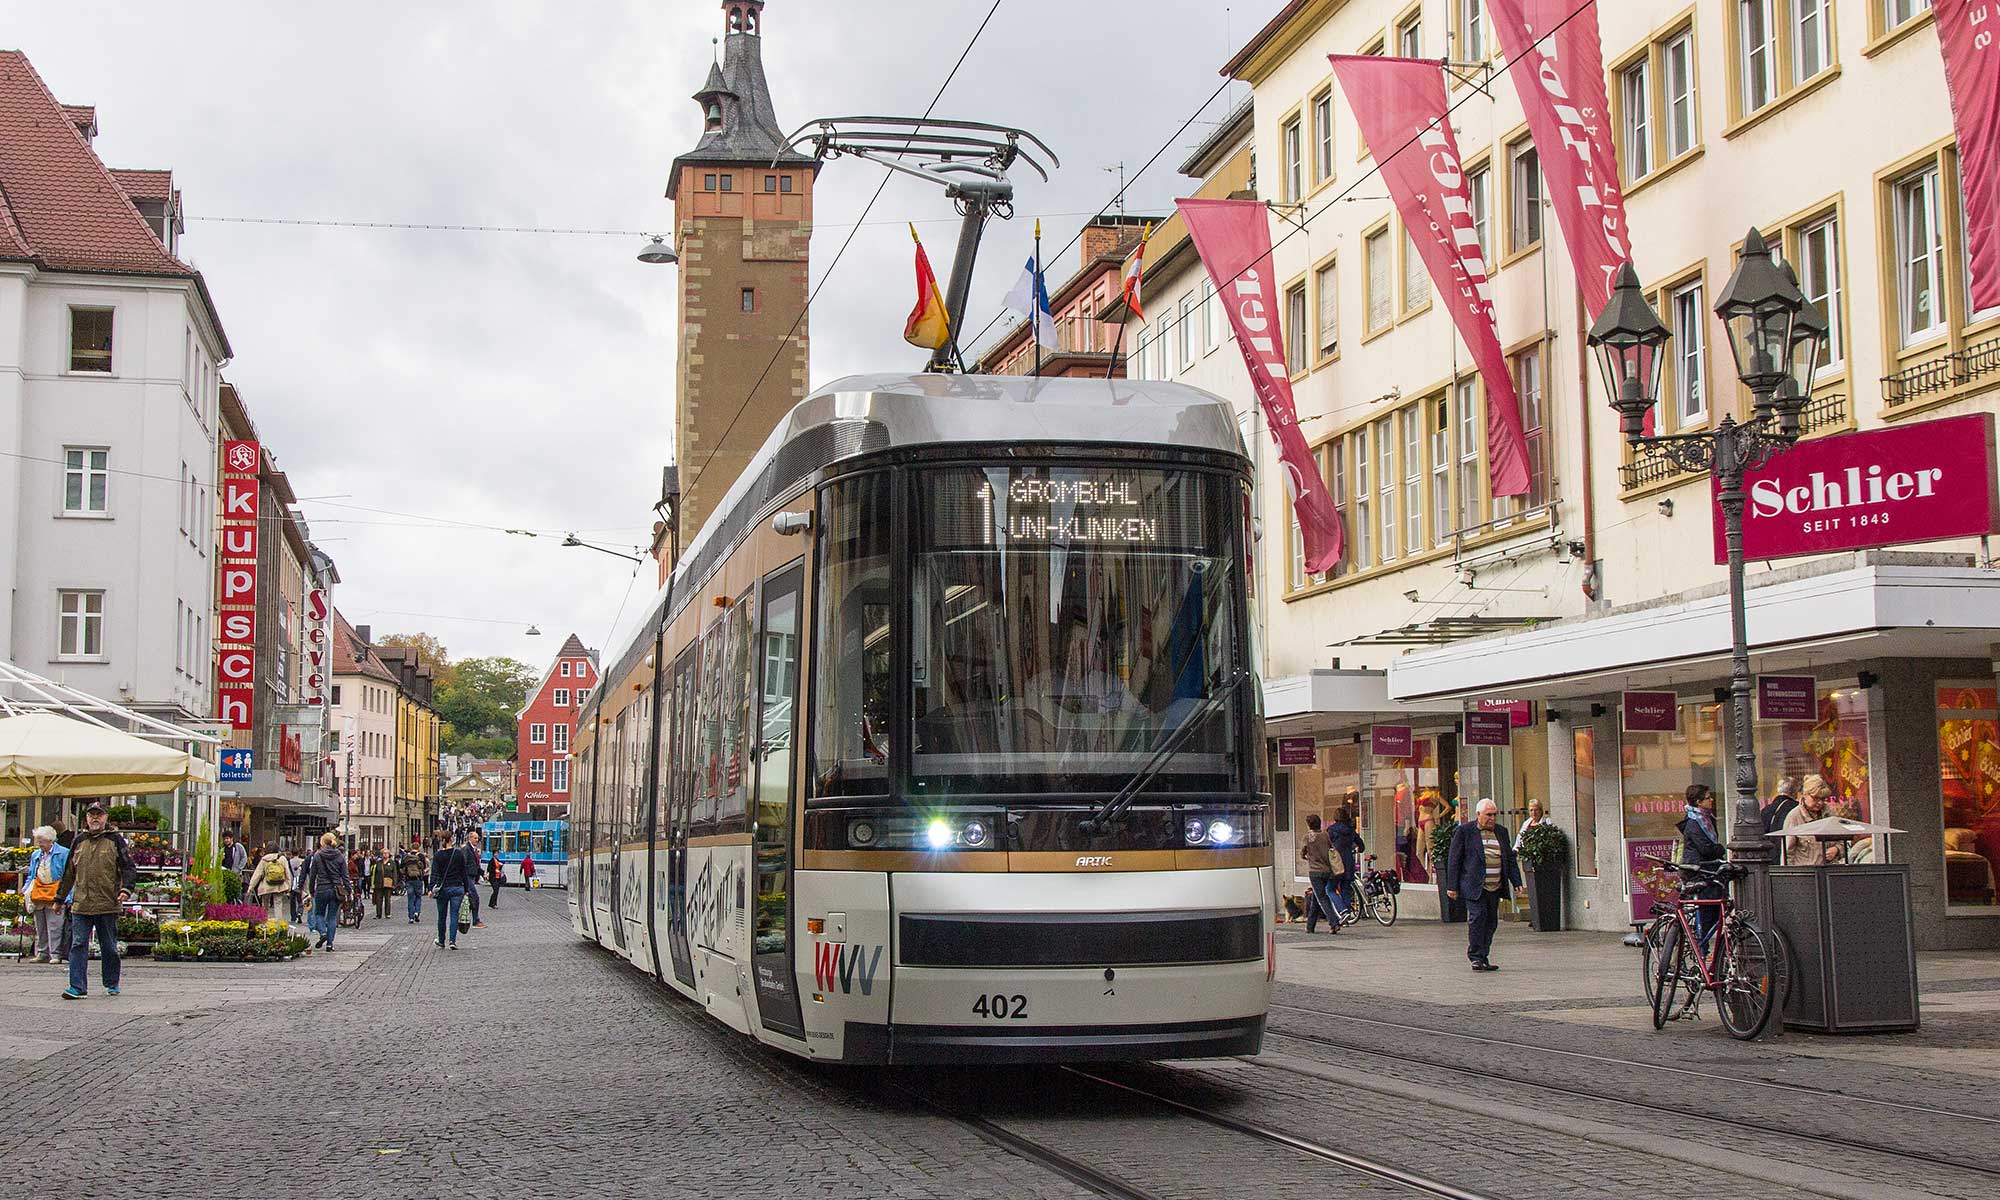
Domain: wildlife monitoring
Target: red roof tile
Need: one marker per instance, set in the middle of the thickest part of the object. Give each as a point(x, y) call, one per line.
point(84, 117)
point(144, 184)
point(352, 656)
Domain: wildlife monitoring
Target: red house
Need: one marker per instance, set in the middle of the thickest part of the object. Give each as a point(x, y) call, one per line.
point(544, 728)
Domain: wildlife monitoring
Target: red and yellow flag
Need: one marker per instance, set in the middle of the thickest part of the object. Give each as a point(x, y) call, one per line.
point(929, 326)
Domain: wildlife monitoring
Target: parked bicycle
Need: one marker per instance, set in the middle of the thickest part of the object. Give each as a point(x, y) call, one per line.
point(1375, 894)
point(1736, 961)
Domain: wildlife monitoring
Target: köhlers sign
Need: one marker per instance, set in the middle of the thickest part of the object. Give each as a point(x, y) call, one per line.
point(1913, 483)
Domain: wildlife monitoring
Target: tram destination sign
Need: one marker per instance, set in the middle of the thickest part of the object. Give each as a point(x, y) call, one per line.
point(1921, 482)
point(1139, 508)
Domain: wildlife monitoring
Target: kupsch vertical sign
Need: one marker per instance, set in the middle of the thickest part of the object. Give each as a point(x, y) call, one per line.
point(236, 590)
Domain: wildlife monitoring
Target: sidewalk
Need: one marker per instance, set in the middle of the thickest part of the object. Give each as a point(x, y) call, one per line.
point(1579, 979)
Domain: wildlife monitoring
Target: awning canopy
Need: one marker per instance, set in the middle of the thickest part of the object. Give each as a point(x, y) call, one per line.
point(45, 754)
point(1336, 699)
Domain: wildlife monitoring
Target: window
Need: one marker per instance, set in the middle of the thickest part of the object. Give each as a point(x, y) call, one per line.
point(1211, 316)
point(1293, 149)
point(563, 668)
point(1967, 313)
point(1756, 55)
point(336, 695)
point(582, 694)
point(1163, 367)
point(1689, 321)
point(1479, 186)
point(1683, 125)
point(1919, 255)
point(1336, 484)
point(1413, 479)
point(1135, 358)
point(1410, 36)
point(1465, 406)
point(559, 737)
point(1322, 109)
point(784, 183)
point(560, 781)
point(728, 182)
point(80, 626)
point(181, 632)
point(562, 697)
point(1187, 307)
point(1297, 578)
point(708, 182)
point(1528, 371)
point(538, 770)
point(770, 183)
point(1364, 501)
point(1812, 38)
point(90, 340)
point(1295, 328)
point(1524, 197)
point(1968, 739)
point(1815, 252)
point(1438, 411)
point(749, 300)
point(1892, 14)
point(1635, 104)
point(538, 734)
point(1416, 277)
point(1380, 302)
point(1468, 30)
point(1327, 306)
point(1385, 480)
point(86, 476)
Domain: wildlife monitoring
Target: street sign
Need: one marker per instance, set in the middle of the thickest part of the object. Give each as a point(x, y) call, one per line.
point(1297, 752)
point(513, 806)
point(1488, 729)
point(236, 765)
point(1787, 698)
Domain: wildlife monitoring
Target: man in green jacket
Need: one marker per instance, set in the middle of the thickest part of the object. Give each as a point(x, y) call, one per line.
point(96, 882)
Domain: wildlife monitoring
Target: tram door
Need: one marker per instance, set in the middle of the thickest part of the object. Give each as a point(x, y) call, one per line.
point(583, 872)
point(620, 801)
point(777, 739)
point(677, 737)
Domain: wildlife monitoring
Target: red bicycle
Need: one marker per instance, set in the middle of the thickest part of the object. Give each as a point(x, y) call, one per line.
point(1734, 960)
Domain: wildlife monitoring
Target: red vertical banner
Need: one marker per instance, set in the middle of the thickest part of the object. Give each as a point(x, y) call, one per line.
point(1234, 243)
point(236, 587)
point(1400, 105)
point(1972, 73)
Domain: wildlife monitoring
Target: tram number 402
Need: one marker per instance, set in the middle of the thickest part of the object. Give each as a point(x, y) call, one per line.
point(1001, 1007)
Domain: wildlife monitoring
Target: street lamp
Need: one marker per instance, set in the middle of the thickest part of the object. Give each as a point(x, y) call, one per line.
point(1775, 335)
point(573, 540)
point(656, 252)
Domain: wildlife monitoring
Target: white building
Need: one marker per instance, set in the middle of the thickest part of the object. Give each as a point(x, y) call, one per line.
point(363, 713)
point(110, 349)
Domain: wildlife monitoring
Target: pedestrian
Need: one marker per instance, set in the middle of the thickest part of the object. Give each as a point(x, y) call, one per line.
point(327, 882)
point(273, 879)
point(527, 876)
point(65, 836)
point(235, 859)
point(297, 863)
point(471, 850)
point(359, 866)
point(494, 875)
point(1322, 865)
point(451, 876)
point(1535, 817)
point(1347, 844)
point(1809, 851)
point(1701, 843)
point(1482, 872)
point(96, 882)
point(387, 874)
point(38, 887)
point(1783, 801)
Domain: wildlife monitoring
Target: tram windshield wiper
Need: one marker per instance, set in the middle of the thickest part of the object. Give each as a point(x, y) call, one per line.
point(1169, 746)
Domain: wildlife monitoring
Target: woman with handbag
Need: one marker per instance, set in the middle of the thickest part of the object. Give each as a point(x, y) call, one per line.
point(327, 883)
point(45, 868)
point(272, 877)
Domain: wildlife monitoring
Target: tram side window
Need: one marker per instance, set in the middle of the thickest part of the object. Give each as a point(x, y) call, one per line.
point(614, 796)
point(663, 756)
point(682, 760)
point(734, 816)
point(637, 751)
point(851, 691)
point(708, 734)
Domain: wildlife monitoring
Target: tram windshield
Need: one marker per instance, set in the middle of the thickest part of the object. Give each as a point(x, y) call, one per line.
point(1064, 621)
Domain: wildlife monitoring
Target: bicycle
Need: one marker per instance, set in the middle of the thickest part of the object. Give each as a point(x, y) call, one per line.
point(1375, 894)
point(1738, 963)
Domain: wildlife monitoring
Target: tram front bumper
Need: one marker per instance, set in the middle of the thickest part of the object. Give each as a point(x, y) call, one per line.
point(881, 1045)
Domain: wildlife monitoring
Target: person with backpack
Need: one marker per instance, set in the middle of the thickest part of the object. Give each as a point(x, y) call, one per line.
point(271, 880)
point(470, 848)
point(387, 880)
point(327, 882)
point(413, 868)
point(297, 862)
point(452, 875)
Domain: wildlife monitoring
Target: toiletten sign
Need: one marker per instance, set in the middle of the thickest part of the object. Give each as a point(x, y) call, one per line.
point(1921, 482)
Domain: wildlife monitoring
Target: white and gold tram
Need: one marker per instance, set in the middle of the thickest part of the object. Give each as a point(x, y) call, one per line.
point(943, 743)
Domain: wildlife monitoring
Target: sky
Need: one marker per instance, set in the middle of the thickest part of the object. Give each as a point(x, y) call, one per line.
point(427, 390)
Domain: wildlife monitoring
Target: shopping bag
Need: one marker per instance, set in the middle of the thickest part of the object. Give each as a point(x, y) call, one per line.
point(464, 914)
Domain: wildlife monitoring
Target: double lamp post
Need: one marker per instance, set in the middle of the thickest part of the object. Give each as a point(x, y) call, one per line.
point(1776, 336)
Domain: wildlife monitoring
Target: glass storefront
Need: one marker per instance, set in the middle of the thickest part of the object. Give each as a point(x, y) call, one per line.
point(1396, 801)
point(1583, 746)
point(1968, 733)
point(1834, 746)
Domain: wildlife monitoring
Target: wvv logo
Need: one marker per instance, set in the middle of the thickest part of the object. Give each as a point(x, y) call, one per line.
point(847, 965)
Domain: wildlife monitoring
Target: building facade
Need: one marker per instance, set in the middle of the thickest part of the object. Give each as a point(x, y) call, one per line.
point(1087, 341)
point(743, 220)
point(543, 730)
point(416, 776)
point(364, 713)
point(1603, 578)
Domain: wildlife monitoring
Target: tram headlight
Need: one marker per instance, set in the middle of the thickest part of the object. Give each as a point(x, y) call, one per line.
point(974, 834)
point(1197, 831)
point(938, 834)
point(1221, 833)
point(861, 834)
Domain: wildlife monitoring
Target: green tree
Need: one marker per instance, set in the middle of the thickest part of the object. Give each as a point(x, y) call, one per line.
point(431, 651)
point(479, 704)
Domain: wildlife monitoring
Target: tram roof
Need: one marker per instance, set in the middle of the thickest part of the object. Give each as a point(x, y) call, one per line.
point(871, 414)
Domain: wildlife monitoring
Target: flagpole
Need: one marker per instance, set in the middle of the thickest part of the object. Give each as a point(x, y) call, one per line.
point(1034, 328)
point(1118, 345)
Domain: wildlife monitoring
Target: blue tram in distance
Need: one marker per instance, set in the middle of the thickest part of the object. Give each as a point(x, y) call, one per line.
point(513, 841)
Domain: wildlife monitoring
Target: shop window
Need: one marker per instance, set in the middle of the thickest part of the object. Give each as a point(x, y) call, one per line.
point(1968, 730)
point(1583, 832)
point(1654, 772)
point(1833, 746)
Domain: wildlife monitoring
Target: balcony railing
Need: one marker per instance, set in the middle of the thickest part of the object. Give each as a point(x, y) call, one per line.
point(1826, 412)
point(1074, 335)
point(1941, 373)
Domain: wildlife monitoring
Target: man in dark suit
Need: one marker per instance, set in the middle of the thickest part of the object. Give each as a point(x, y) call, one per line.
point(1481, 872)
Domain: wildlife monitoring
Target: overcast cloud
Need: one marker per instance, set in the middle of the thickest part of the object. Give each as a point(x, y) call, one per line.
point(527, 381)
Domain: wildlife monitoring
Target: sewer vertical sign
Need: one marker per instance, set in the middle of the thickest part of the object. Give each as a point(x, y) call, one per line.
point(1921, 482)
point(236, 587)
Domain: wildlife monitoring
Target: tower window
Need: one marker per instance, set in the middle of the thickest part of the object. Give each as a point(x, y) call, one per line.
point(729, 183)
point(708, 183)
point(770, 183)
point(784, 183)
point(749, 300)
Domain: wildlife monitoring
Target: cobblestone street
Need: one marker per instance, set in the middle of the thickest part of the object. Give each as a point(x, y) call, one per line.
point(530, 1064)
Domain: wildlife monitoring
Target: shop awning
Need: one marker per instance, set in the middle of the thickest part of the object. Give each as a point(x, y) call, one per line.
point(1868, 604)
point(1336, 698)
point(48, 754)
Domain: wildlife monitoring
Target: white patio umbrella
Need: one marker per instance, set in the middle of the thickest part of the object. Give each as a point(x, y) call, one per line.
point(43, 754)
point(1834, 827)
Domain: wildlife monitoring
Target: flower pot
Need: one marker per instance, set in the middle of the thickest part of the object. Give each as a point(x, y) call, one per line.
point(1545, 895)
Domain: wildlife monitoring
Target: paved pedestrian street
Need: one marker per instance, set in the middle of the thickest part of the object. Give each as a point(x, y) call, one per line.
point(528, 1063)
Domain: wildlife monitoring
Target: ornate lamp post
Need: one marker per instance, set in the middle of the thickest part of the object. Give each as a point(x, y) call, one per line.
point(1775, 335)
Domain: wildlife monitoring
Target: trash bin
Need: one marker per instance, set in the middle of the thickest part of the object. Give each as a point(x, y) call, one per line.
point(1854, 954)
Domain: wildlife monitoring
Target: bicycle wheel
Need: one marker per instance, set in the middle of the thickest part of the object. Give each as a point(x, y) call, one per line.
point(1654, 936)
point(1743, 996)
point(1669, 972)
point(1385, 909)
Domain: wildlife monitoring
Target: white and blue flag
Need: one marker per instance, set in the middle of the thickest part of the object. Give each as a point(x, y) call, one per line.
point(1030, 298)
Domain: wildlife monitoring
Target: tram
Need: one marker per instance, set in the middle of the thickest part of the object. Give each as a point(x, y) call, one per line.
point(547, 841)
point(942, 742)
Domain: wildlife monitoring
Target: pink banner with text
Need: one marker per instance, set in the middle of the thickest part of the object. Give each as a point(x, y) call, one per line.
point(1400, 105)
point(1966, 31)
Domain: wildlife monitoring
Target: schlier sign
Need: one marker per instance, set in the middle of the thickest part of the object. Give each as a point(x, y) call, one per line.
point(236, 586)
point(1921, 482)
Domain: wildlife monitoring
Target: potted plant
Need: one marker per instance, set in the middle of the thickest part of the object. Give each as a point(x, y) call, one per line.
point(1449, 910)
point(1544, 849)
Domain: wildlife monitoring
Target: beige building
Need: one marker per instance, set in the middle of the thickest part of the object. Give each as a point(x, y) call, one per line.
point(1603, 578)
point(363, 705)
